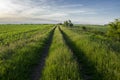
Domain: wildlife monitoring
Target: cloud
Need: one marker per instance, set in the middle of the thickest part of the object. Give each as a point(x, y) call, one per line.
point(54, 15)
point(71, 6)
point(27, 8)
point(43, 11)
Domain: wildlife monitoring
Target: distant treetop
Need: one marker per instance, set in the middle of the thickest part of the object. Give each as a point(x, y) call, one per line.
point(68, 23)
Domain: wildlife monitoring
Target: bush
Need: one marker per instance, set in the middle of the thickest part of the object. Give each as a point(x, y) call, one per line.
point(114, 30)
point(84, 28)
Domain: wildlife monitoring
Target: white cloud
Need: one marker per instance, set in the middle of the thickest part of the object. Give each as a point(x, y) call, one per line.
point(41, 10)
point(28, 8)
point(71, 5)
point(54, 15)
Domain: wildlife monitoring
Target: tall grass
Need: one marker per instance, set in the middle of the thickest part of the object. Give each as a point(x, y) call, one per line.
point(99, 34)
point(20, 65)
point(60, 64)
point(104, 62)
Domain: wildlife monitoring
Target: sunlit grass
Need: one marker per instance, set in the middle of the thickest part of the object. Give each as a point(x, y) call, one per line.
point(60, 64)
point(19, 65)
point(105, 61)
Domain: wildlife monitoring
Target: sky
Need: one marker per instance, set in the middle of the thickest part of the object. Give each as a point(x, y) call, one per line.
point(55, 11)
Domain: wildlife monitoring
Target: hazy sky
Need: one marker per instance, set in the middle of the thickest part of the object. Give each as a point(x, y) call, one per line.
point(53, 11)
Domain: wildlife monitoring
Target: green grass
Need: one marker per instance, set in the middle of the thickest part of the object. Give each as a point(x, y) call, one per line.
point(19, 65)
point(7, 50)
point(102, 28)
point(13, 33)
point(97, 34)
point(90, 29)
point(74, 54)
point(60, 63)
point(102, 60)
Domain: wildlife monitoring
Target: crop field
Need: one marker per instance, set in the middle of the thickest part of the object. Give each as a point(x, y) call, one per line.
point(57, 52)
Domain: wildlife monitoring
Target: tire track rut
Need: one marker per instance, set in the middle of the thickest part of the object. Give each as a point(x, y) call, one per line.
point(37, 71)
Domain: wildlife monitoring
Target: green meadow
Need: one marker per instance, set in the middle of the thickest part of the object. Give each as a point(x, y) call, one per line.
point(58, 52)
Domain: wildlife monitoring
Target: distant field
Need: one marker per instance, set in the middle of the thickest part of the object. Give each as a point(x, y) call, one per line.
point(102, 28)
point(55, 52)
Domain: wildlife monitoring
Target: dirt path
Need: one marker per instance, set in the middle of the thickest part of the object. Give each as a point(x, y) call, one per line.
point(37, 71)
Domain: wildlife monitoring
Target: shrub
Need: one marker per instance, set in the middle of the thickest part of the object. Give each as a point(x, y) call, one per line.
point(114, 30)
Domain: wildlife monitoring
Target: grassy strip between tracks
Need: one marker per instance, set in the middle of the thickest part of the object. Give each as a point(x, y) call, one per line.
point(60, 63)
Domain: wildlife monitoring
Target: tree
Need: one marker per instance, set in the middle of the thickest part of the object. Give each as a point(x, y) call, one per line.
point(68, 23)
point(65, 23)
point(114, 29)
point(84, 28)
point(59, 23)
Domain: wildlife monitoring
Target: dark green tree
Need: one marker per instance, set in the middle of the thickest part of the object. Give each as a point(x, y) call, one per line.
point(68, 23)
point(84, 28)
